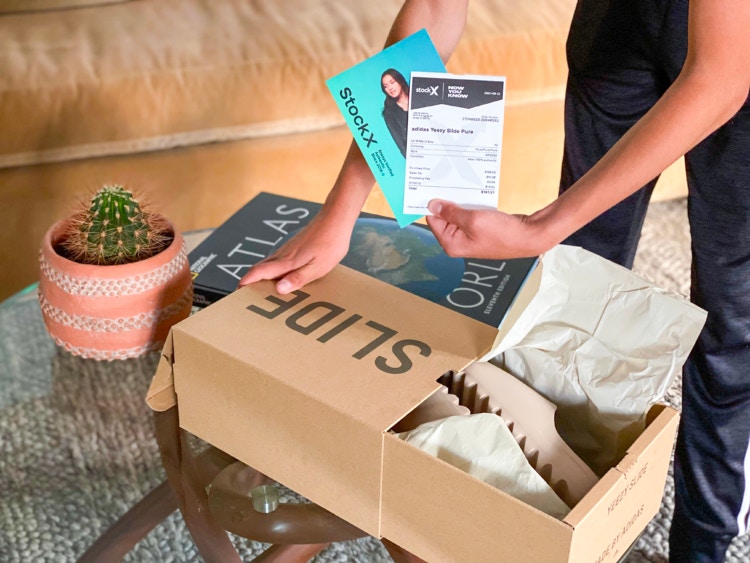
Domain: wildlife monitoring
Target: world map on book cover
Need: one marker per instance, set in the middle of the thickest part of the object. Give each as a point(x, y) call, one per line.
point(409, 258)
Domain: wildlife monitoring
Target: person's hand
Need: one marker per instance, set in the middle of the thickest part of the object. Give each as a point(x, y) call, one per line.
point(485, 233)
point(309, 255)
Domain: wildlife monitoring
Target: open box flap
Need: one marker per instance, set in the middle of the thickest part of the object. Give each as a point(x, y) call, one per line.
point(351, 349)
point(657, 437)
point(519, 304)
point(161, 394)
point(620, 505)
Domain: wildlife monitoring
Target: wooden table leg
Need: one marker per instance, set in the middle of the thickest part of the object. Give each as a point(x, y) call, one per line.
point(294, 553)
point(132, 527)
point(289, 524)
point(183, 475)
point(399, 554)
point(149, 512)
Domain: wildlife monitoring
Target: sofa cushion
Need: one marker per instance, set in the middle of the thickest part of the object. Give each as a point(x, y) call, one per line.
point(8, 6)
point(153, 74)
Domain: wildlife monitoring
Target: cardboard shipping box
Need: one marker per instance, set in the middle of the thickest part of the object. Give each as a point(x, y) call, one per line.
point(305, 388)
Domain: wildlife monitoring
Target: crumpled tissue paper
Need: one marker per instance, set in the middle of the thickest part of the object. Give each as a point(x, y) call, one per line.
point(602, 344)
point(482, 445)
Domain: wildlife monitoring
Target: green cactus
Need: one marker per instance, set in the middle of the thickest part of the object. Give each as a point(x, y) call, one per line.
point(115, 229)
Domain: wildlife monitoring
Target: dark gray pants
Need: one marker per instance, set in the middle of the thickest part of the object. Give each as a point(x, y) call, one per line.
point(623, 55)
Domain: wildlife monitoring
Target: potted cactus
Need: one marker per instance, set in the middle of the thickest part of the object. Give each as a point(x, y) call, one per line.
point(114, 277)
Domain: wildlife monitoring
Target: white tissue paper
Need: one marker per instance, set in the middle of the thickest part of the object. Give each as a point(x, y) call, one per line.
point(482, 445)
point(602, 344)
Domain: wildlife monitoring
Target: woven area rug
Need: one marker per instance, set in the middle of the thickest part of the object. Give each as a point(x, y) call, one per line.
point(77, 448)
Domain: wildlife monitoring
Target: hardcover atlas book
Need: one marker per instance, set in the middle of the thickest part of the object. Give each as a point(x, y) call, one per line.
point(409, 258)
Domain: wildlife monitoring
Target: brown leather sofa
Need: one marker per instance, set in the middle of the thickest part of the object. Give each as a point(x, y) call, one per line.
point(204, 103)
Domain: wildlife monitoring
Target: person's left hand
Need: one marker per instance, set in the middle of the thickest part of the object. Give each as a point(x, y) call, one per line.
point(484, 233)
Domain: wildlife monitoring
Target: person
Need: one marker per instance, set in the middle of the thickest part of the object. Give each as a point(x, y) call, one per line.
point(396, 106)
point(649, 81)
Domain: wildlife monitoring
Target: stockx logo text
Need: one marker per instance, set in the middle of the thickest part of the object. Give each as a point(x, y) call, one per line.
point(431, 90)
point(359, 121)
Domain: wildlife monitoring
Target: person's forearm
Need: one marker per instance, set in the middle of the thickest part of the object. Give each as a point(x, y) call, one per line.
point(678, 122)
point(709, 91)
point(444, 21)
point(349, 193)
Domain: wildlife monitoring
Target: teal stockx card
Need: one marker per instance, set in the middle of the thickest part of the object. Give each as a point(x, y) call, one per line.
point(370, 95)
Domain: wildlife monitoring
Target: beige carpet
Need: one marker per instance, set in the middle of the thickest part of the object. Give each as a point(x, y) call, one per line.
point(77, 450)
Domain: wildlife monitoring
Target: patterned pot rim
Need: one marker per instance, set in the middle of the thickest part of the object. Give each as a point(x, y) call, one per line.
point(111, 280)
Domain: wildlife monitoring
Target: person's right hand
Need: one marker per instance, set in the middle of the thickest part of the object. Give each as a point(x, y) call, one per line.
point(309, 255)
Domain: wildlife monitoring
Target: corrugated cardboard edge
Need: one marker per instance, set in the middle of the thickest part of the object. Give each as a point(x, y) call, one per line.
point(420, 514)
point(161, 395)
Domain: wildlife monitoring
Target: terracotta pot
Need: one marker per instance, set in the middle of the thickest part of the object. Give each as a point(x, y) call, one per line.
point(113, 312)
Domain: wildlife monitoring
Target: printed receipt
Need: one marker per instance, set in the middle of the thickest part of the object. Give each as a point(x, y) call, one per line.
point(454, 140)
